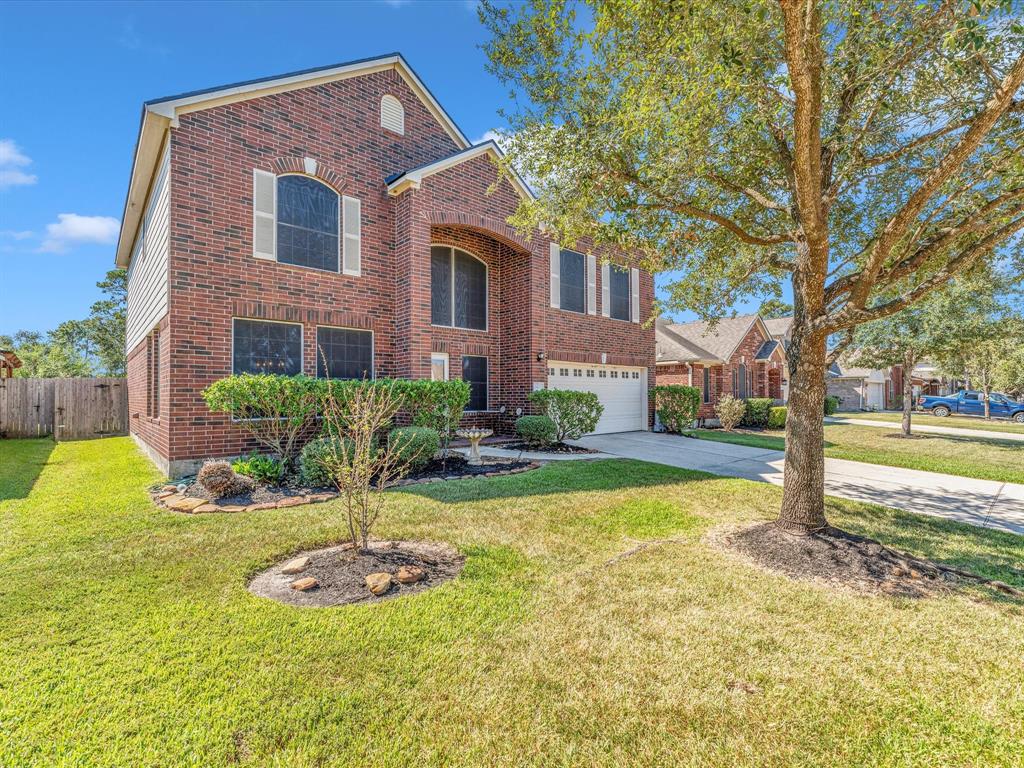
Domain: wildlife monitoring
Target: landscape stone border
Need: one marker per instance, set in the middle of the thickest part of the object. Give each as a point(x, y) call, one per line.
point(171, 497)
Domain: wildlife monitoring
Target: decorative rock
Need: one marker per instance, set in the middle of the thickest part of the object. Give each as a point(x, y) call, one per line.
point(232, 508)
point(258, 507)
point(298, 565)
point(185, 503)
point(410, 574)
point(170, 488)
point(167, 494)
point(302, 585)
point(291, 501)
point(378, 583)
point(316, 498)
point(207, 508)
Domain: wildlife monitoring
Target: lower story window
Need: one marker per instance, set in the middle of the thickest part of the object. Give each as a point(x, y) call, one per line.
point(474, 371)
point(707, 385)
point(344, 353)
point(262, 346)
point(153, 353)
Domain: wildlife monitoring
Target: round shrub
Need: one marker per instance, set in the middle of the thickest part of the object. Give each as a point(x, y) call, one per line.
point(757, 412)
point(831, 404)
point(777, 417)
point(730, 411)
point(677, 406)
point(315, 460)
point(415, 446)
point(536, 431)
point(219, 480)
point(574, 413)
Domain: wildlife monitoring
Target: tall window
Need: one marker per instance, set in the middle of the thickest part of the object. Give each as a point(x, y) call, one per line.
point(344, 353)
point(261, 346)
point(307, 223)
point(153, 353)
point(458, 289)
point(707, 384)
point(618, 293)
point(743, 382)
point(474, 371)
point(572, 280)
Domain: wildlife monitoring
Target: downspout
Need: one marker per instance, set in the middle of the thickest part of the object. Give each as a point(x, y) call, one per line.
point(689, 374)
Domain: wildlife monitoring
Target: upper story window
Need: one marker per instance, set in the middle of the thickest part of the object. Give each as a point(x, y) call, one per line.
point(458, 289)
point(619, 293)
point(261, 346)
point(572, 280)
point(392, 114)
point(307, 223)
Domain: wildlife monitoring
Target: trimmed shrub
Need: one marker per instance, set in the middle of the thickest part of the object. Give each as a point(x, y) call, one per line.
point(730, 411)
point(777, 417)
point(265, 470)
point(536, 431)
point(219, 480)
point(414, 446)
point(757, 412)
point(677, 406)
point(313, 462)
point(832, 404)
point(573, 413)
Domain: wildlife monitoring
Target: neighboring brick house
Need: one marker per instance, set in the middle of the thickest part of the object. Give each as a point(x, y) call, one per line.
point(858, 388)
point(338, 219)
point(738, 356)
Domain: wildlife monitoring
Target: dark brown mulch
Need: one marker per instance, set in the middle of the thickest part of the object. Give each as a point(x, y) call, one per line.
point(556, 448)
point(846, 559)
point(341, 573)
point(261, 494)
point(458, 465)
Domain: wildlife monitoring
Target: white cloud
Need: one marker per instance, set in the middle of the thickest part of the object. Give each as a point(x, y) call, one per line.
point(12, 159)
point(16, 234)
point(492, 135)
point(74, 228)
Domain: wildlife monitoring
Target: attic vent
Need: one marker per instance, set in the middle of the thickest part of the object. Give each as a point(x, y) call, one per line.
point(392, 116)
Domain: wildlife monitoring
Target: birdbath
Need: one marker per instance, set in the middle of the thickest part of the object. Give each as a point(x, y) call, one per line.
point(474, 435)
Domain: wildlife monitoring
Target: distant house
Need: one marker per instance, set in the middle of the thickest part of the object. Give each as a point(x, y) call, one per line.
point(8, 362)
point(741, 356)
point(858, 388)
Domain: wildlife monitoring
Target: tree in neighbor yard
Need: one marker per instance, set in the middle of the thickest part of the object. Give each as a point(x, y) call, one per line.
point(987, 342)
point(850, 147)
point(1009, 376)
point(945, 319)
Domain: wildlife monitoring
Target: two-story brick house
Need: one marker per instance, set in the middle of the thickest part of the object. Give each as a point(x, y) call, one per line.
point(741, 356)
point(337, 222)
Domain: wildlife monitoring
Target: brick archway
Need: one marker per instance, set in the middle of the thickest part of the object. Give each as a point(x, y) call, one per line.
point(495, 228)
point(323, 173)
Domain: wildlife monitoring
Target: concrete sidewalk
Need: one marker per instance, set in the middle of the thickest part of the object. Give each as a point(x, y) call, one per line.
point(986, 503)
point(931, 428)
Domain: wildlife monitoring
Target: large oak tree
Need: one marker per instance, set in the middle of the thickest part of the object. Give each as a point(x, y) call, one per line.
point(848, 147)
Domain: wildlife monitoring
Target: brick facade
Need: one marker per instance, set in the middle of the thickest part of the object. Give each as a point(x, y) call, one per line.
point(213, 276)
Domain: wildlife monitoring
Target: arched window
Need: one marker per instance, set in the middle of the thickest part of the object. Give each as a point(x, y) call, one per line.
point(307, 223)
point(392, 114)
point(458, 289)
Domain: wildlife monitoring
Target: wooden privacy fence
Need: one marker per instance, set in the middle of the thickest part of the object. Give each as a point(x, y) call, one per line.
point(68, 409)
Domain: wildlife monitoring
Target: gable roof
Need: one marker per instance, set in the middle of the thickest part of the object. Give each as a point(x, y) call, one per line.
point(778, 326)
point(160, 114)
point(411, 179)
point(844, 368)
point(699, 341)
point(767, 349)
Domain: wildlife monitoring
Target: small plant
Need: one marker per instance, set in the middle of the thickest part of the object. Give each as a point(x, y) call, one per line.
point(275, 410)
point(219, 480)
point(536, 431)
point(730, 411)
point(757, 412)
point(677, 406)
point(416, 446)
point(777, 417)
point(832, 404)
point(573, 413)
point(356, 465)
point(265, 470)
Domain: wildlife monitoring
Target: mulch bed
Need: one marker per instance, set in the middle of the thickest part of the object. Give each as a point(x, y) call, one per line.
point(457, 467)
point(340, 573)
point(556, 448)
point(844, 559)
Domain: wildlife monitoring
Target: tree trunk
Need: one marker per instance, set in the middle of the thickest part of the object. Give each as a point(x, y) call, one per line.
point(908, 391)
point(803, 493)
point(984, 394)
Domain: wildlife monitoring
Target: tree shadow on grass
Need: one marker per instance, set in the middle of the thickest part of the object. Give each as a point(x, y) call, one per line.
point(21, 462)
point(559, 477)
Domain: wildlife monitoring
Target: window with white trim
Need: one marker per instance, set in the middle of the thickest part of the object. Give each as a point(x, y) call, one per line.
point(307, 223)
point(619, 296)
point(572, 280)
point(458, 289)
point(344, 353)
point(474, 371)
point(264, 346)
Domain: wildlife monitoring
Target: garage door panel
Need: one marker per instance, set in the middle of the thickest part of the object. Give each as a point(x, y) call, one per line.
point(623, 396)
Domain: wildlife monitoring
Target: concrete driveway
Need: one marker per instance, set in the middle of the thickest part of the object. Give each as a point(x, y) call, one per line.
point(985, 503)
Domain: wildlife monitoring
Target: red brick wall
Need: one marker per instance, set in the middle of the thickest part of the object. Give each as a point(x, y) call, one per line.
point(214, 276)
point(152, 429)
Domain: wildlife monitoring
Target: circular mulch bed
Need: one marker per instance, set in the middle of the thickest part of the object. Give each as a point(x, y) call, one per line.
point(191, 497)
point(844, 559)
point(340, 573)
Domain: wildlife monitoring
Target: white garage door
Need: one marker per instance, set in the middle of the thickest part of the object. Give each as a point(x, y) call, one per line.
point(875, 395)
point(622, 391)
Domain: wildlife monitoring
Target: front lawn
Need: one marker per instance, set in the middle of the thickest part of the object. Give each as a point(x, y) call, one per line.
point(961, 422)
point(127, 635)
point(983, 458)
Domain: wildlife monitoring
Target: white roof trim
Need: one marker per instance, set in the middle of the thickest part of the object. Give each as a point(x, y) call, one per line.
point(412, 179)
point(160, 114)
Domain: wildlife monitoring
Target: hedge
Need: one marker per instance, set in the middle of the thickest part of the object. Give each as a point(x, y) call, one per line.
point(574, 413)
point(777, 417)
point(831, 404)
point(757, 411)
point(677, 406)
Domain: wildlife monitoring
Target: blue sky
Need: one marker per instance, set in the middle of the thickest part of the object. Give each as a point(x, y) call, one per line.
point(70, 101)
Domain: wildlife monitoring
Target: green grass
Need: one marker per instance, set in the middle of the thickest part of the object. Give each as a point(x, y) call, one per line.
point(962, 422)
point(982, 458)
point(127, 635)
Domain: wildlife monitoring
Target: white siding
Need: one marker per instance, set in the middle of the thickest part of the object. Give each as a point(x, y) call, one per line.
point(147, 272)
